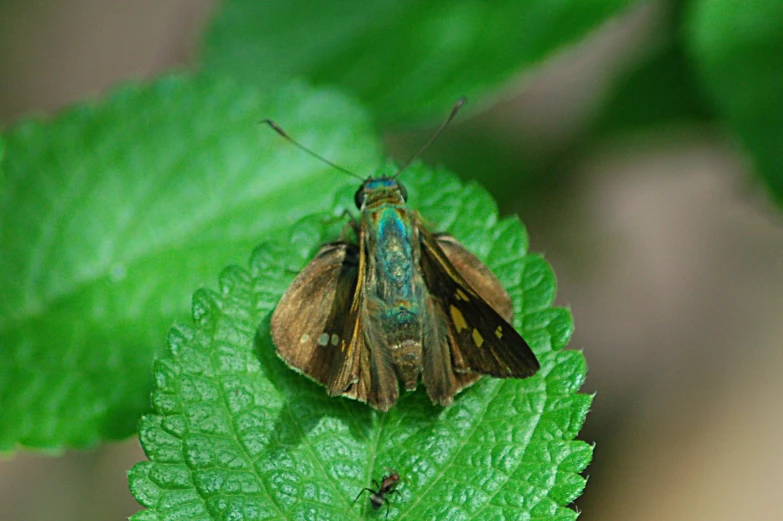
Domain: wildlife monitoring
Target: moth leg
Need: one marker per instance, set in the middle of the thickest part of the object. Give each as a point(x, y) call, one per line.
point(352, 224)
point(344, 233)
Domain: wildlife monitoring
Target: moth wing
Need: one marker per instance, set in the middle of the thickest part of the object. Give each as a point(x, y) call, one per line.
point(438, 371)
point(347, 362)
point(309, 322)
point(376, 382)
point(373, 378)
point(481, 339)
point(477, 275)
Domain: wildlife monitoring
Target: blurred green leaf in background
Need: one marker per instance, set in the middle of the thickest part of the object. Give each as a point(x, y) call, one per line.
point(405, 61)
point(736, 48)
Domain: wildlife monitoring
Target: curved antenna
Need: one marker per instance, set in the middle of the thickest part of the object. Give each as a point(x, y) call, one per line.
point(454, 110)
point(291, 140)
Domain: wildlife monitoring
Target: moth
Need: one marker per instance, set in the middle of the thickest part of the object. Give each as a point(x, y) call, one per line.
point(386, 487)
point(399, 305)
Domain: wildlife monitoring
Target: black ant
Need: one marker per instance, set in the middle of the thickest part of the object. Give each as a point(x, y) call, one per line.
point(387, 486)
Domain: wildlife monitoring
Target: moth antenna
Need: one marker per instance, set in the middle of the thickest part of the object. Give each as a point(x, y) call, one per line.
point(294, 142)
point(454, 110)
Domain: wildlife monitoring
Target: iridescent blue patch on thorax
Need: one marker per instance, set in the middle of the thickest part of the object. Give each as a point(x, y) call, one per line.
point(394, 254)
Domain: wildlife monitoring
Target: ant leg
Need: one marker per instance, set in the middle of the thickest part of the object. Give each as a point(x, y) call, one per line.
point(371, 491)
point(386, 500)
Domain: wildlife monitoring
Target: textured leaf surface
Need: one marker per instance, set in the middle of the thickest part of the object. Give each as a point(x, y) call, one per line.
point(113, 212)
point(407, 60)
point(737, 47)
point(236, 434)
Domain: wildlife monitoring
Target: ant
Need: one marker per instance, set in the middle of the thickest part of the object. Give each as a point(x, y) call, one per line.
point(387, 486)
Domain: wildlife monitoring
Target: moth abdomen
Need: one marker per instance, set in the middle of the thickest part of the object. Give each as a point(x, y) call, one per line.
point(406, 357)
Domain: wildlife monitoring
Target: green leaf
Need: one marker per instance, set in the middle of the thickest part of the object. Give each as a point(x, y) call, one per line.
point(659, 94)
point(737, 47)
point(113, 212)
point(236, 434)
point(406, 60)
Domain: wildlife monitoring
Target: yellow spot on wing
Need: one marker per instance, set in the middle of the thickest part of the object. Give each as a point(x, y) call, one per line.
point(461, 295)
point(477, 338)
point(499, 332)
point(457, 318)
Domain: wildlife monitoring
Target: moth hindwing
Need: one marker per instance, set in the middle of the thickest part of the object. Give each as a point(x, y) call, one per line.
point(402, 304)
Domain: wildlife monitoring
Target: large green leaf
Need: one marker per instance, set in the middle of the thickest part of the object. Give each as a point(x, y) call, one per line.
point(407, 60)
point(111, 214)
point(236, 434)
point(738, 50)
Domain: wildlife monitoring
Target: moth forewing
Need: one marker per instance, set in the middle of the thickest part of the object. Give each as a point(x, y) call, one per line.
point(346, 370)
point(311, 314)
point(481, 340)
point(437, 372)
point(379, 376)
point(478, 276)
point(366, 374)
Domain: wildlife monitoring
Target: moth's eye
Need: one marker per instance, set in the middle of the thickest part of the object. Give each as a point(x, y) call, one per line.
point(358, 197)
point(403, 192)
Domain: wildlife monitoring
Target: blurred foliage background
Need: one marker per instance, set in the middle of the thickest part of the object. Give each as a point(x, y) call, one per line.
point(645, 160)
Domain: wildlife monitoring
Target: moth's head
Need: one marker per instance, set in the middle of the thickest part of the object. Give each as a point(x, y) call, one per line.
point(377, 188)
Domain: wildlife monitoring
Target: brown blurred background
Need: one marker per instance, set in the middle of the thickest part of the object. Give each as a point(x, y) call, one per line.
point(670, 260)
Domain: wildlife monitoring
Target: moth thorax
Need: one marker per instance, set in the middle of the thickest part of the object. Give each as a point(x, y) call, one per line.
point(382, 197)
point(406, 357)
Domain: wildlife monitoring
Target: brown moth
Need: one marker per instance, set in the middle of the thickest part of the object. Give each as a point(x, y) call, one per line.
point(400, 305)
